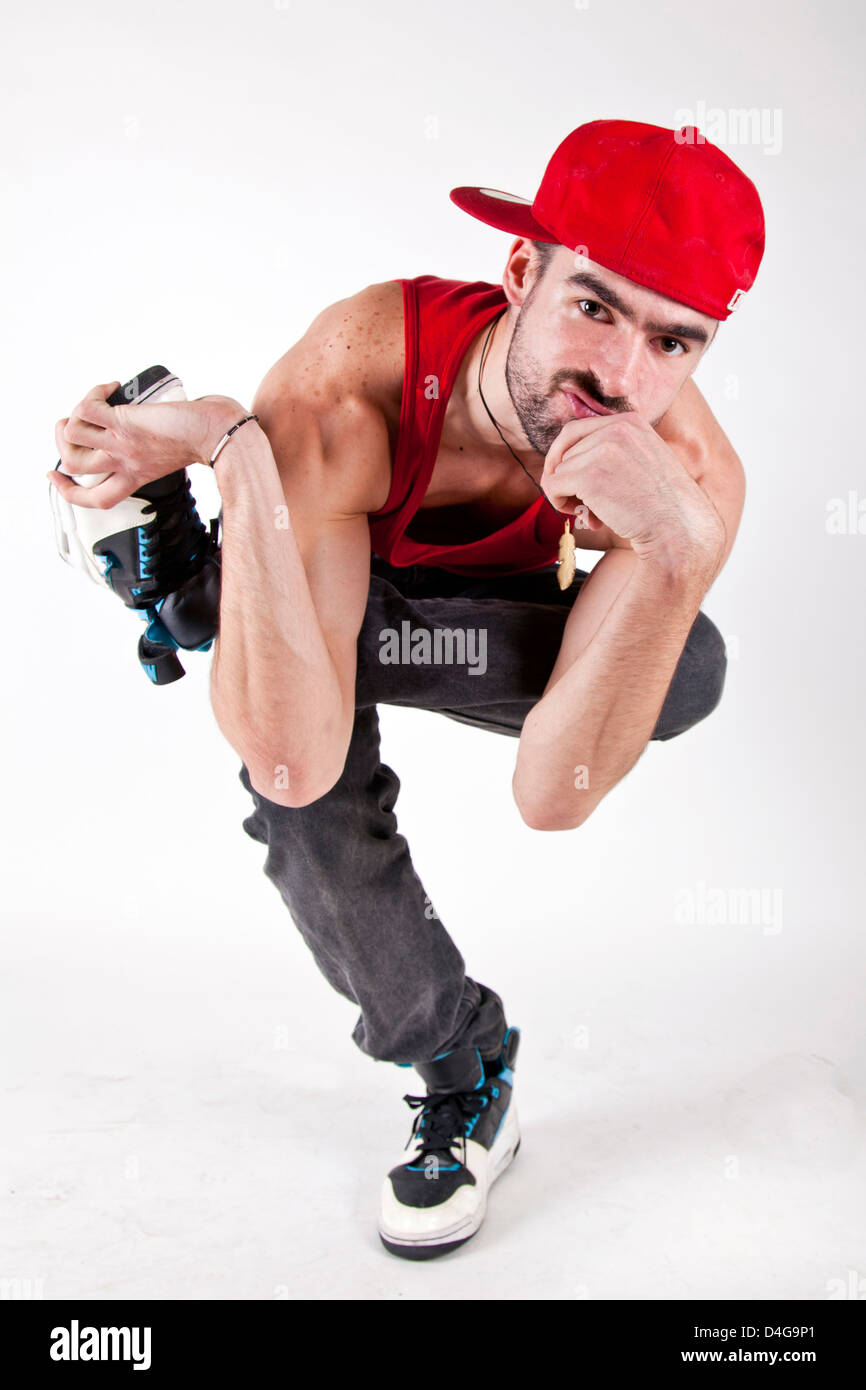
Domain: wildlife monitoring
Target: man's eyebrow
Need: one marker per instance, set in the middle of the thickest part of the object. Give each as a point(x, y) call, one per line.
point(587, 281)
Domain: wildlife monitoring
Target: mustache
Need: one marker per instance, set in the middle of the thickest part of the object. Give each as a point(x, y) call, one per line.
point(594, 396)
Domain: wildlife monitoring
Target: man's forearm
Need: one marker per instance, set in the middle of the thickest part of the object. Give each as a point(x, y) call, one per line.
point(590, 728)
point(274, 689)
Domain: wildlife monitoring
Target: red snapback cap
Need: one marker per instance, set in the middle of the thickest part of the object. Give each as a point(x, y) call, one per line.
point(665, 208)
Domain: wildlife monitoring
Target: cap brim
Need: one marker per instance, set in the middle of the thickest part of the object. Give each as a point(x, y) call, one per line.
point(506, 211)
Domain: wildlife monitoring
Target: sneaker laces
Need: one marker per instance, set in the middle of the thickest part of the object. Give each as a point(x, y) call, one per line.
point(443, 1117)
point(174, 536)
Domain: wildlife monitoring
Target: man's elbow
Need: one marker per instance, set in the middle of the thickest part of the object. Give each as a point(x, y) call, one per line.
point(296, 777)
point(293, 784)
point(545, 815)
point(292, 787)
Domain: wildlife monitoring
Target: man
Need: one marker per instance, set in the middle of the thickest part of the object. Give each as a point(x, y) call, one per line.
point(427, 447)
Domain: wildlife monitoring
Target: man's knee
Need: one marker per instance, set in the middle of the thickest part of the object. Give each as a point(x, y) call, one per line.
point(698, 680)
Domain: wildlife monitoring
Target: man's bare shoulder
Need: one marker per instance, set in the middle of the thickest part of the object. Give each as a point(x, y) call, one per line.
point(344, 378)
point(354, 347)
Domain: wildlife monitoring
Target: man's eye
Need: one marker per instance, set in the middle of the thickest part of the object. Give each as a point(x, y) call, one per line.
point(672, 347)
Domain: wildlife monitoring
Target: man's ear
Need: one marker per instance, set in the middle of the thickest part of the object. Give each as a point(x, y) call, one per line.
point(517, 278)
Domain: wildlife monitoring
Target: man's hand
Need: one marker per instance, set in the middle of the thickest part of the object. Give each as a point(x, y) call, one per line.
point(135, 444)
point(633, 482)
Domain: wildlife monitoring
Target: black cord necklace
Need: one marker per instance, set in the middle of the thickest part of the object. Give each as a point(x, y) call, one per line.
point(566, 566)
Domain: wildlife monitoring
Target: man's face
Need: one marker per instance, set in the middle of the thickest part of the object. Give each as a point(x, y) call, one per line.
point(584, 330)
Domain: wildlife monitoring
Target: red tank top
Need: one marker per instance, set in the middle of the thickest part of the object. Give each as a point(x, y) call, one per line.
point(441, 317)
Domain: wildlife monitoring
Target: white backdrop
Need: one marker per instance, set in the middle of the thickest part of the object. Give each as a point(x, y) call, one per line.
point(186, 1113)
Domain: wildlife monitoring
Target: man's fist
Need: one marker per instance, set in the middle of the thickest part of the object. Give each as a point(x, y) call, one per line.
point(633, 482)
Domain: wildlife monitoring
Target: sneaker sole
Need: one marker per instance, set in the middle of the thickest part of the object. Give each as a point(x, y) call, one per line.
point(465, 1230)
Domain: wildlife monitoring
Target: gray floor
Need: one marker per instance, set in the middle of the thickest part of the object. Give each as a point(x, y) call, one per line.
point(186, 1116)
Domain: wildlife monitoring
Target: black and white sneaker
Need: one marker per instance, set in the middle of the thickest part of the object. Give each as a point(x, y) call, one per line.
point(152, 549)
point(465, 1140)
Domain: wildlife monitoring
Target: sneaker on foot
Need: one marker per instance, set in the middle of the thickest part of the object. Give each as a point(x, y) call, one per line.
point(465, 1141)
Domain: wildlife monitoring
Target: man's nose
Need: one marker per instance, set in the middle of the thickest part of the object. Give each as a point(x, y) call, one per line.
point(617, 368)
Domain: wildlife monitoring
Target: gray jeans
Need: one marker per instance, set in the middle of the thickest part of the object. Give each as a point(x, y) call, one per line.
point(341, 866)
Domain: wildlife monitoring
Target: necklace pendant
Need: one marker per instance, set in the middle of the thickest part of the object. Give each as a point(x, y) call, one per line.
point(566, 570)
